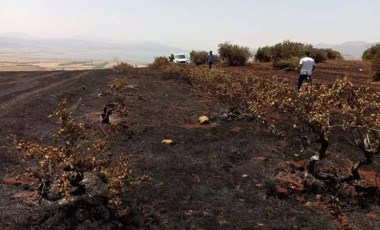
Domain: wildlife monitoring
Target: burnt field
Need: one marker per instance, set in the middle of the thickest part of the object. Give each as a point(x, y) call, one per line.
point(232, 173)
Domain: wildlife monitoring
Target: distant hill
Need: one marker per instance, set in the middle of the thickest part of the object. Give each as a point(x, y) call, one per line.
point(27, 46)
point(349, 50)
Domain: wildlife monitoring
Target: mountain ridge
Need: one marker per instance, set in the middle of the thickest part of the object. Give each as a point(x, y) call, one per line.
point(108, 49)
point(77, 48)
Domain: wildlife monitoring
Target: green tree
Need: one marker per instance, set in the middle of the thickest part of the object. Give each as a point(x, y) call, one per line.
point(287, 49)
point(233, 55)
point(198, 57)
point(264, 54)
point(376, 67)
point(369, 53)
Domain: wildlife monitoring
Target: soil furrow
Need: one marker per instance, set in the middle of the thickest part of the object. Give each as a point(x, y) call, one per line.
point(7, 90)
point(9, 105)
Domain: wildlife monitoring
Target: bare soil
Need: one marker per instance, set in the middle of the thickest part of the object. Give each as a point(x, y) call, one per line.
point(221, 175)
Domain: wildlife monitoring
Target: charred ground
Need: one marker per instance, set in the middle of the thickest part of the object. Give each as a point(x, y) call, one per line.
point(222, 175)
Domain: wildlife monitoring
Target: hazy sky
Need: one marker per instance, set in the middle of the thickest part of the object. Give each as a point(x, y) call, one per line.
point(196, 23)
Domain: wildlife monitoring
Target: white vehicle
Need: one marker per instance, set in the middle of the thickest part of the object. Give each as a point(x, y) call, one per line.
point(180, 58)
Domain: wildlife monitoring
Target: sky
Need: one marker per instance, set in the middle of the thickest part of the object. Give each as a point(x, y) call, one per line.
point(196, 24)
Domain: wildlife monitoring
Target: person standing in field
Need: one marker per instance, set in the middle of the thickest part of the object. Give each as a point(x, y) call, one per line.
point(307, 65)
point(210, 59)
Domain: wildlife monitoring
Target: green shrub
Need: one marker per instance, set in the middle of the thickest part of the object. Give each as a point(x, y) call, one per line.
point(198, 57)
point(233, 55)
point(264, 54)
point(159, 62)
point(217, 59)
point(287, 50)
point(288, 64)
point(369, 53)
point(333, 54)
point(285, 54)
point(376, 67)
point(319, 55)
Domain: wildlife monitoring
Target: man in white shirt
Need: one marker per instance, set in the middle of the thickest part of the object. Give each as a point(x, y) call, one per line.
point(307, 65)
